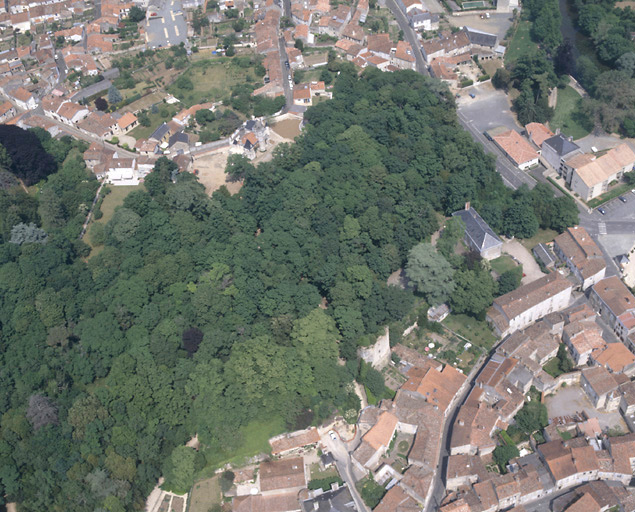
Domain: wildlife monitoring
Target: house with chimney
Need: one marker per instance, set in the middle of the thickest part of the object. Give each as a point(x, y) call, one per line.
point(478, 235)
point(528, 303)
point(580, 253)
point(555, 150)
point(615, 304)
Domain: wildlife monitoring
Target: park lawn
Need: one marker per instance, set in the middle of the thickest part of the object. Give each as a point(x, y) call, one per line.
point(213, 80)
point(143, 132)
point(568, 117)
point(204, 495)
point(503, 264)
point(255, 439)
point(521, 44)
point(553, 368)
point(543, 236)
point(477, 331)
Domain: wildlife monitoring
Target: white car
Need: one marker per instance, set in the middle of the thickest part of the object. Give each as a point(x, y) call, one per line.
point(333, 435)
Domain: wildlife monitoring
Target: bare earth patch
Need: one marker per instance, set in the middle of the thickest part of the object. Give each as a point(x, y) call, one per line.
point(211, 172)
point(289, 128)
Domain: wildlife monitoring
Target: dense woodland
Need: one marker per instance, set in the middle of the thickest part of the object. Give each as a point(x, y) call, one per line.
point(200, 315)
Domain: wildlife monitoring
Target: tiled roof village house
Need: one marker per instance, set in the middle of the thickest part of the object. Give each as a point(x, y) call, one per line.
point(576, 248)
point(616, 305)
point(478, 235)
point(24, 99)
point(518, 309)
point(517, 149)
point(538, 133)
point(7, 111)
point(589, 176)
point(582, 337)
point(601, 388)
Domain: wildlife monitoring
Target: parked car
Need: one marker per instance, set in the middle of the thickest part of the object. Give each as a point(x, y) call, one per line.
point(287, 64)
point(601, 210)
point(622, 198)
point(472, 95)
point(333, 435)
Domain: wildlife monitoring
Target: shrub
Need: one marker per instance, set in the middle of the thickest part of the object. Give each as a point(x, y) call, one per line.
point(483, 78)
point(466, 83)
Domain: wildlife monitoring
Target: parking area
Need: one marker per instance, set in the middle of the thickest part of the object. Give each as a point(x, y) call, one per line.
point(571, 400)
point(497, 23)
point(531, 269)
point(166, 25)
point(488, 109)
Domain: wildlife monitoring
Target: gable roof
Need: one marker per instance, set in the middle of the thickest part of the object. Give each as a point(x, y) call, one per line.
point(592, 170)
point(481, 38)
point(382, 432)
point(561, 145)
point(538, 133)
point(615, 295)
point(282, 474)
point(477, 230)
point(517, 148)
point(615, 356)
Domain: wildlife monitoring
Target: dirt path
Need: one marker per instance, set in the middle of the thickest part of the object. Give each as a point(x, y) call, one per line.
point(524, 257)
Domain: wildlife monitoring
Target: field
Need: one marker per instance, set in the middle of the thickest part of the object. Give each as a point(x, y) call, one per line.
point(478, 332)
point(521, 44)
point(204, 494)
point(211, 172)
point(253, 439)
point(568, 117)
point(213, 80)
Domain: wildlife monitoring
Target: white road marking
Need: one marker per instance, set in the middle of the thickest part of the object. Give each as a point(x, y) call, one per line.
point(165, 31)
point(602, 228)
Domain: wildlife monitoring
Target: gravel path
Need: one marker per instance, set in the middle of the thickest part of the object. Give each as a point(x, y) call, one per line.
point(525, 258)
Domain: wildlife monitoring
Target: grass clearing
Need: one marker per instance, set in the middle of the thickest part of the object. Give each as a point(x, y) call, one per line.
point(204, 495)
point(213, 80)
point(113, 199)
point(611, 194)
point(521, 44)
point(568, 116)
point(553, 367)
point(317, 474)
point(477, 331)
point(543, 236)
point(503, 264)
point(254, 439)
point(163, 114)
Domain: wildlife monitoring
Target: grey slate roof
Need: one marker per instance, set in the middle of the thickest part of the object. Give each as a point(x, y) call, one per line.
point(339, 500)
point(160, 132)
point(481, 38)
point(179, 137)
point(479, 234)
point(561, 144)
point(542, 252)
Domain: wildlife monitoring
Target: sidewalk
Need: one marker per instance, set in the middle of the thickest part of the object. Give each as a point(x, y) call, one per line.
point(558, 179)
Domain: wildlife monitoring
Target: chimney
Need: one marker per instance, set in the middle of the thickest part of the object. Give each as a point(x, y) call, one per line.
point(467, 205)
point(557, 131)
point(570, 138)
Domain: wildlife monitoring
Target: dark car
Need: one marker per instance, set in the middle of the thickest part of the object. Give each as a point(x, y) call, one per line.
point(622, 198)
point(287, 64)
point(602, 210)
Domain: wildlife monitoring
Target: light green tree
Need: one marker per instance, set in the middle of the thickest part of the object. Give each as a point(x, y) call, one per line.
point(431, 273)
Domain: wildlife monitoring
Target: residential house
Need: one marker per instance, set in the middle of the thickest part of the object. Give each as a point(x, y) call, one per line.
point(302, 94)
point(353, 32)
point(518, 309)
point(478, 235)
point(614, 302)
point(627, 399)
point(615, 357)
point(122, 171)
point(404, 57)
point(601, 388)
point(480, 39)
point(516, 148)
point(24, 99)
point(555, 150)
point(423, 20)
point(397, 500)
point(473, 429)
point(7, 111)
point(590, 176)
point(161, 134)
point(580, 253)
point(98, 124)
point(375, 442)
point(464, 470)
point(408, 5)
point(288, 475)
point(280, 502)
point(127, 122)
point(538, 133)
point(335, 500)
point(146, 147)
point(582, 338)
point(447, 44)
point(71, 113)
point(380, 45)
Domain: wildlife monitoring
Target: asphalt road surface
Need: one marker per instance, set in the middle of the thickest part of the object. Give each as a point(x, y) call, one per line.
point(410, 36)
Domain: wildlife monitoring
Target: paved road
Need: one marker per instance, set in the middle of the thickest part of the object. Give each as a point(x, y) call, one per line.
point(288, 91)
point(410, 36)
point(343, 462)
point(512, 176)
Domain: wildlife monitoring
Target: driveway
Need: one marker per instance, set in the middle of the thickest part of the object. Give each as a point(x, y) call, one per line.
point(340, 453)
point(567, 401)
point(531, 269)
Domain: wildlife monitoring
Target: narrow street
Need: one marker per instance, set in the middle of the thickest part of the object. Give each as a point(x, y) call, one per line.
point(340, 453)
point(410, 35)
